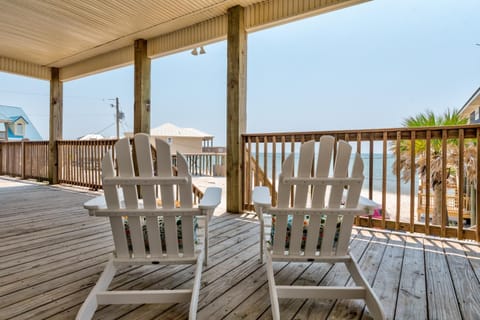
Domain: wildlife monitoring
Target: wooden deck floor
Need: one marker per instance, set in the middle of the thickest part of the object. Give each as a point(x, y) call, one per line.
point(52, 252)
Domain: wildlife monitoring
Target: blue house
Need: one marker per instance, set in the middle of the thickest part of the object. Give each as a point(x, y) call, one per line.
point(15, 125)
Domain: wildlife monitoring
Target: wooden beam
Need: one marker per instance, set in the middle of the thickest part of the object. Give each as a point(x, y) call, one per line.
point(56, 124)
point(141, 121)
point(236, 105)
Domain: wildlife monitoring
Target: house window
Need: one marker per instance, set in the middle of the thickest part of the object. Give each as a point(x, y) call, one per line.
point(169, 140)
point(19, 129)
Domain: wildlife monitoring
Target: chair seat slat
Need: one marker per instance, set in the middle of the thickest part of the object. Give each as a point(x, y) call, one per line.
point(154, 240)
point(136, 234)
point(119, 237)
point(188, 241)
point(296, 236)
point(280, 234)
point(313, 234)
point(171, 234)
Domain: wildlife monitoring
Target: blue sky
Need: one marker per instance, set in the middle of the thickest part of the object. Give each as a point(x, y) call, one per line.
point(367, 66)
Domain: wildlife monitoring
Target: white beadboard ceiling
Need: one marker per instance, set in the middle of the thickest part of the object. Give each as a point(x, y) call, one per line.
point(82, 37)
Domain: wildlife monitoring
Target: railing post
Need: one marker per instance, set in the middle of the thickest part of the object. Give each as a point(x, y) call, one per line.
point(56, 124)
point(236, 106)
point(1, 158)
point(22, 155)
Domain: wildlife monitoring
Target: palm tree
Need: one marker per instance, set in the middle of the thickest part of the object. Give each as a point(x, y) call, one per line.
point(429, 119)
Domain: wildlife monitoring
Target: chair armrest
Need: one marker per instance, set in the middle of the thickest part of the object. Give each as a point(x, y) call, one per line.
point(261, 197)
point(368, 205)
point(211, 198)
point(99, 203)
point(95, 204)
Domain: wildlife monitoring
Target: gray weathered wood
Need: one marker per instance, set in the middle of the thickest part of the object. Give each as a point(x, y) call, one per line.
point(442, 300)
point(236, 105)
point(412, 294)
point(55, 123)
point(141, 107)
point(234, 283)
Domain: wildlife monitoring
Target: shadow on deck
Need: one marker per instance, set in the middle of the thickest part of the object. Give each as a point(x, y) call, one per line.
point(52, 252)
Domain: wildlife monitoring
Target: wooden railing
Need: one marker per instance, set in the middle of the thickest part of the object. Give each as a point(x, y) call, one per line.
point(383, 181)
point(206, 164)
point(25, 159)
point(79, 162)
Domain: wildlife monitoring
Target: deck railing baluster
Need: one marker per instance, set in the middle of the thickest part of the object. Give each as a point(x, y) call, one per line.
point(397, 213)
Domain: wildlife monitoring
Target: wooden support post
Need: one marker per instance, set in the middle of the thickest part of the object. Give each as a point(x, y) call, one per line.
point(236, 106)
point(56, 124)
point(22, 155)
point(141, 121)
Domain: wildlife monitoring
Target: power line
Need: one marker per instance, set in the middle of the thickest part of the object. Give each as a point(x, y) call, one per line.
point(109, 126)
point(48, 94)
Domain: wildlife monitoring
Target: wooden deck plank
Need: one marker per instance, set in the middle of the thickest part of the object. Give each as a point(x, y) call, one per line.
point(242, 233)
point(23, 257)
point(52, 252)
point(220, 259)
point(464, 279)
point(337, 276)
point(412, 295)
point(442, 300)
point(388, 277)
point(369, 263)
point(472, 250)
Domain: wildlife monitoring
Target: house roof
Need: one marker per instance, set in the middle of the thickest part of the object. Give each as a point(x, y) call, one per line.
point(92, 136)
point(15, 118)
point(90, 36)
point(11, 114)
point(171, 130)
point(472, 104)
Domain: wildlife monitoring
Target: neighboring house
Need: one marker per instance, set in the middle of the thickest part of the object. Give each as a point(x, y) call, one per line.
point(92, 136)
point(184, 140)
point(471, 109)
point(15, 125)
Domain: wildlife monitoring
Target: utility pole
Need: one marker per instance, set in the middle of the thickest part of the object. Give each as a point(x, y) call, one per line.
point(117, 117)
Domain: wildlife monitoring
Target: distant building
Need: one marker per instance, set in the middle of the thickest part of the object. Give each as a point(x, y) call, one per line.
point(92, 136)
point(471, 109)
point(184, 140)
point(15, 125)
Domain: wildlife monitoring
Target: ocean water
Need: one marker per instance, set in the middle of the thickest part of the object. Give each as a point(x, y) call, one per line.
point(391, 178)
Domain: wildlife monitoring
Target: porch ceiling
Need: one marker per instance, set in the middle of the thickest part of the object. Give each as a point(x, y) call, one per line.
point(88, 36)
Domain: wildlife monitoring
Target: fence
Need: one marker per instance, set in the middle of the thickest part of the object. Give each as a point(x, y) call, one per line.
point(25, 159)
point(79, 162)
point(391, 157)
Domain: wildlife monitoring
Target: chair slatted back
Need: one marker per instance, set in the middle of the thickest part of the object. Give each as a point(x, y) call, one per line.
point(320, 208)
point(140, 209)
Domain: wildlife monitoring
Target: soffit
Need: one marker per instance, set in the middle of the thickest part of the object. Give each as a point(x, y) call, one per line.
point(82, 37)
point(56, 33)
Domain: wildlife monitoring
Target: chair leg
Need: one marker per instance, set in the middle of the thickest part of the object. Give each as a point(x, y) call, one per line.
point(262, 240)
point(371, 300)
point(87, 310)
point(207, 220)
point(196, 287)
point(272, 288)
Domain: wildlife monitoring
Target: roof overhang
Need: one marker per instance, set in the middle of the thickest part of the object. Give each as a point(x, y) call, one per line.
point(472, 104)
point(90, 36)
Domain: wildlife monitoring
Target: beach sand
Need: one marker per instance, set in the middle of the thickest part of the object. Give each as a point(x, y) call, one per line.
point(202, 182)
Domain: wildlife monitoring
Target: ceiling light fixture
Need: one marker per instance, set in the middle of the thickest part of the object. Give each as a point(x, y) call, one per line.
point(194, 51)
point(202, 50)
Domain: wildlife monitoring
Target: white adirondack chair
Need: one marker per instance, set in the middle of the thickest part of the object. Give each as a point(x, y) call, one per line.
point(148, 230)
point(314, 222)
